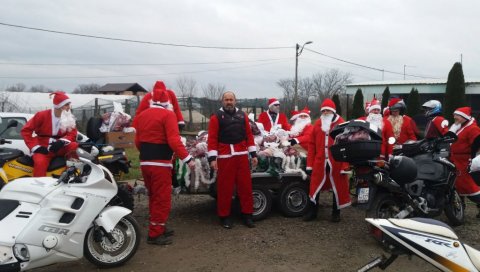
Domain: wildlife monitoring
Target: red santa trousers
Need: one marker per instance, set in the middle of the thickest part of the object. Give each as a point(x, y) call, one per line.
point(41, 161)
point(158, 180)
point(233, 171)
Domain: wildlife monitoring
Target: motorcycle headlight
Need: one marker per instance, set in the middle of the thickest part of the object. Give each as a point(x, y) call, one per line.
point(21, 252)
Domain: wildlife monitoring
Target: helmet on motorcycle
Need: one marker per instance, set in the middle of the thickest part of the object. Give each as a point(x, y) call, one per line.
point(432, 108)
point(403, 169)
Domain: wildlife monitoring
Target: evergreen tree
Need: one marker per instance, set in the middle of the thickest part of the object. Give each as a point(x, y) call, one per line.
point(336, 100)
point(385, 97)
point(413, 103)
point(455, 91)
point(358, 109)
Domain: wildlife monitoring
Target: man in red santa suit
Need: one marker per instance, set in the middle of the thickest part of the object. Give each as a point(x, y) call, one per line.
point(230, 141)
point(273, 117)
point(436, 126)
point(375, 117)
point(464, 150)
point(302, 128)
point(157, 138)
point(172, 103)
point(51, 133)
point(404, 128)
point(325, 172)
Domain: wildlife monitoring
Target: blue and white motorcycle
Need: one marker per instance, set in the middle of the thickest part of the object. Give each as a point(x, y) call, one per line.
point(47, 220)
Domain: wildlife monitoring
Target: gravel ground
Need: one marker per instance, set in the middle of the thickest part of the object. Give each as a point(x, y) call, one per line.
point(276, 244)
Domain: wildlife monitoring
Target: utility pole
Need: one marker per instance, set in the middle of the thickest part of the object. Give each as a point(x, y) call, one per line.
point(298, 52)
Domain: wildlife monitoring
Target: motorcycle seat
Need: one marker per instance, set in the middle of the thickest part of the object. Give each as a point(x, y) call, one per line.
point(426, 225)
point(55, 163)
point(474, 255)
point(7, 154)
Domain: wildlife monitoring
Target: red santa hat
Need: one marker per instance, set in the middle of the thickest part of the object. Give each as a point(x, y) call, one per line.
point(394, 101)
point(367, 106)
point(328, 104)
point(375, 104)
point(60, 99)
point(273, 101)
point(296, 114)
point(465, 112)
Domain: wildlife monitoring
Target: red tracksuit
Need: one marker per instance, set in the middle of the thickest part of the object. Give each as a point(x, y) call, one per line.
point(268, 123)
point(157, 138)
point(42, 124)
point(230, 140)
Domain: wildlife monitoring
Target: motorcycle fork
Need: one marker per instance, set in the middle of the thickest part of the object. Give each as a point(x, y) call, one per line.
point(100, 232)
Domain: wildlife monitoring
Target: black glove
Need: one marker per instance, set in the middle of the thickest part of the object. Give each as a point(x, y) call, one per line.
point(181, 127)
point(309, 172)
point(41, 150)
point(292, 142)
point(55, 146)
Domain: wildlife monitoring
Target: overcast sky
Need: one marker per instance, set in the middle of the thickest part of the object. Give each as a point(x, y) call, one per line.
point(426, 36)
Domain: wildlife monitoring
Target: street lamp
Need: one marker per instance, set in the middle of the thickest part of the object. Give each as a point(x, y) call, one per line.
point(297, 54)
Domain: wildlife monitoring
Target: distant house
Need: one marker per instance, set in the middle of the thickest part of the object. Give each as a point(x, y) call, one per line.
point(123, 89)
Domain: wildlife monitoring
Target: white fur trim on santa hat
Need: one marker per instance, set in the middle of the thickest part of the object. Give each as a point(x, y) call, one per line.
point(63, 103)
point(372, 107)
point(463, 115)
point(328, 108)
point(274, 103)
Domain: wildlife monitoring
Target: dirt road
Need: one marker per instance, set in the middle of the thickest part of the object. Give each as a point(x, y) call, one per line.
point(276, 244)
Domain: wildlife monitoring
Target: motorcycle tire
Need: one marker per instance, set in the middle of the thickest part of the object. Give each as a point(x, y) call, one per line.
point(455, 210)
point(104, 254)
point(384, 205)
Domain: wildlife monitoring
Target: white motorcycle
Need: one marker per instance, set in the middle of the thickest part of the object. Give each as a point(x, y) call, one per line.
point(46, 220)
point(429, 239)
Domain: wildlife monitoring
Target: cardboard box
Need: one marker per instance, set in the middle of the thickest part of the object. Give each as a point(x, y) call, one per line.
point(120, 139)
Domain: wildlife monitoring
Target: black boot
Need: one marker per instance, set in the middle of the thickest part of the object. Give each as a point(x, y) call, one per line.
point(248, 220)
point(226, 222)
point(335, 211)
point(311, 213)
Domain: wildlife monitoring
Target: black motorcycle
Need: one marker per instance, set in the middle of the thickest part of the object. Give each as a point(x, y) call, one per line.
point(419, 182)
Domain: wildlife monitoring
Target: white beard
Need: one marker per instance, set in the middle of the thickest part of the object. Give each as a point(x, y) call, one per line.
point(455, 127)
point(67, 121)
point(326, 122)
point(299, 125)
point(375, 119)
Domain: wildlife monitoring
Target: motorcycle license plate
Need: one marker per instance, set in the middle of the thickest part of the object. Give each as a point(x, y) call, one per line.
point(362, 195)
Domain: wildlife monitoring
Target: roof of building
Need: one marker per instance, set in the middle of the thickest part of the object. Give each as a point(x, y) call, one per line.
point(121, 87)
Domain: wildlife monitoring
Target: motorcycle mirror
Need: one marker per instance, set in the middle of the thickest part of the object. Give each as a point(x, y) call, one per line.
point(391, 140)
point(84, 154)
point(11, 123)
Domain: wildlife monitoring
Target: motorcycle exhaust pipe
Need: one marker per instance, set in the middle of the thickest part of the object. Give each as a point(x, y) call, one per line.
point(386, 182)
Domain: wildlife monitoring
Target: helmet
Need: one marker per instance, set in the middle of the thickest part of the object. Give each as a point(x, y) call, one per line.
point(398, 106)
point(432, 108)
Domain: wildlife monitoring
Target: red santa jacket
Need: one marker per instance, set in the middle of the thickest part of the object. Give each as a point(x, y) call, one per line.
point(304, 137)
point(157, 137)
point(387, 132)
point(319, 155)
point(460, 154)
point(438, 126)
point(268, 123)
point(407, 131)
point(41, 124)
point(147, 101)
point(225, 146)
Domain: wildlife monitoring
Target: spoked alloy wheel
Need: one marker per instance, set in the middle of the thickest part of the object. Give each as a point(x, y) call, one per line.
point(106, 254)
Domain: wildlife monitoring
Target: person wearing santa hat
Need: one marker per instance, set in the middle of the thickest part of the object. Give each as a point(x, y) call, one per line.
point(302, 128)
point(465, 153)
point(273, 117)
point(437, 125)
point(326, 173)
point(51, 133)
point(172, 103)
point(157, 138)
point(404, 128)
point(230, 141)
point(375, 117)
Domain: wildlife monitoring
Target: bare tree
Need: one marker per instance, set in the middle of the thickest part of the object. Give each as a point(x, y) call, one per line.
point(40, 89)
point(306, 90)
point(91, 88)
point(211, 101)
point(187, 88)
point(8, 103)
point(334, 82)
point(288, 93)
point(19, 87)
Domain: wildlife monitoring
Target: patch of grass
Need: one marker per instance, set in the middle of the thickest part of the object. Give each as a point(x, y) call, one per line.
point(135, 172)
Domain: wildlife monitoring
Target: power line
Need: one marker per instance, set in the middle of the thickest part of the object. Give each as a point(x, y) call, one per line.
point(144, 75)
point(136, 64)
point(368, 67)
point(145, 42)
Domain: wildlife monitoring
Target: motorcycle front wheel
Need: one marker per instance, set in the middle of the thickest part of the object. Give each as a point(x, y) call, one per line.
point(101, 252)
point(455, 209)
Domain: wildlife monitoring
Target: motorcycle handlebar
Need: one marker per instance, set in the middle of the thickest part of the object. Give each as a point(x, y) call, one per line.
point(4, 141)
point(67, 174)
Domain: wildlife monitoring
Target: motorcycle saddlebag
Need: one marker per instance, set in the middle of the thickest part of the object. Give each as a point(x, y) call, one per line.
point(429, 170)
point(356, 151)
